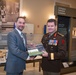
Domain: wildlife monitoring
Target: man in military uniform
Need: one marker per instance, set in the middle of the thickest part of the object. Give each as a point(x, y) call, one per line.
point(55, 49)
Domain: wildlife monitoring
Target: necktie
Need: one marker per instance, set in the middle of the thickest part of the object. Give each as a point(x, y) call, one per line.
point(22, 36)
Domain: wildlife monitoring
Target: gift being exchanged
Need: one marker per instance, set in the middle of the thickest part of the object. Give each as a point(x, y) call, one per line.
point(36, 51)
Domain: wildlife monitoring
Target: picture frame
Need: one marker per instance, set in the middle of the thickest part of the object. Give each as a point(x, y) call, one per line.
point(9, 10)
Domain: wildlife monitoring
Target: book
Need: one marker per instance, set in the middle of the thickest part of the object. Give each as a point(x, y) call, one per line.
point(40, 47)
point(37, 50)
point(34, 52)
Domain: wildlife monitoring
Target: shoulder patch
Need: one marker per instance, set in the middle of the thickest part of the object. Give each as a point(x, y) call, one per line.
point(61, 34)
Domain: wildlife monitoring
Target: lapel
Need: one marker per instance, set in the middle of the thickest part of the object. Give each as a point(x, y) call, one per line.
point(18, 36)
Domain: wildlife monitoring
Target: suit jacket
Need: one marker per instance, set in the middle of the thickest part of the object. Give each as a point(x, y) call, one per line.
point(17, 53)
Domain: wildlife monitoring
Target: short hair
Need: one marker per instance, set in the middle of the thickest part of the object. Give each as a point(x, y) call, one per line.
point(20, 17)
point(52, 20)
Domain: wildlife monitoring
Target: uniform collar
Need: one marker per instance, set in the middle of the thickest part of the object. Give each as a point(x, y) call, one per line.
point(50, 34)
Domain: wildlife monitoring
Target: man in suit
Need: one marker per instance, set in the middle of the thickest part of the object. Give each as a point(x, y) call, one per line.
point(17, 49)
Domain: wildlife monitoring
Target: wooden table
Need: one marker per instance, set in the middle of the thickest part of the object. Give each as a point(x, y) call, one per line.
point(29, 61)
point(37, 59)
point(34, 61)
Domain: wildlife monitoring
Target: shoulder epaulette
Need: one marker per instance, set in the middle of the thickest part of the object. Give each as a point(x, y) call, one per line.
point(47, 34)
point(61, 34)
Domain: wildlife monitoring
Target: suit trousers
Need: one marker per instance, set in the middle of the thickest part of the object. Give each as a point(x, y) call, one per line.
point(50, 73)
point(21, 73)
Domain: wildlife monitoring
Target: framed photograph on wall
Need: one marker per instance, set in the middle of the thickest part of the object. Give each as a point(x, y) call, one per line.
point(9, 10)
point(74, 32)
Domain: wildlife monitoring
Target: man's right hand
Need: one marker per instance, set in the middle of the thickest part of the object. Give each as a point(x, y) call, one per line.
point(44, 54)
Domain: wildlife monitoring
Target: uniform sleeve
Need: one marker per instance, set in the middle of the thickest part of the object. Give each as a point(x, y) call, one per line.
point(61, 49)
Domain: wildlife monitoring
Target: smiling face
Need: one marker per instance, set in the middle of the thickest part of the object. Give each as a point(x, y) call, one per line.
point(51, 27)
point(20, 23)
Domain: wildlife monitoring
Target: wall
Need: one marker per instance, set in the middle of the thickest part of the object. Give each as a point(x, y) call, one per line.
point(38, 11)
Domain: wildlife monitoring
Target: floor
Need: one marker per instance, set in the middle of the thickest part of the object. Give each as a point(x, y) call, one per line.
point(30, 70)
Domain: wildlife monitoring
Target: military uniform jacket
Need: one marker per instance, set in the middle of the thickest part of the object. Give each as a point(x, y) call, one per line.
point(53, 43)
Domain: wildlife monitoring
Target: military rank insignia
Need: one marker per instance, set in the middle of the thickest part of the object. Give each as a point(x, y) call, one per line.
point(53, 42)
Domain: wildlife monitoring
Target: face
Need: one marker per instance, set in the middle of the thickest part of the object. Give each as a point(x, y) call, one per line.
point(20, 24)
point(51, 27)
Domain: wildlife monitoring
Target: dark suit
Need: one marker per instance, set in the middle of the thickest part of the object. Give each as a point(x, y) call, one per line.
point(17, 53)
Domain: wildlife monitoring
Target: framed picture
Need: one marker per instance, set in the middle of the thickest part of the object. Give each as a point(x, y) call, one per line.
point(74, 32)
point(9, 10)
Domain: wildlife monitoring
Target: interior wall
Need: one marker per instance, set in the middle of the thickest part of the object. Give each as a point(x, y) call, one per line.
point(39, 11)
